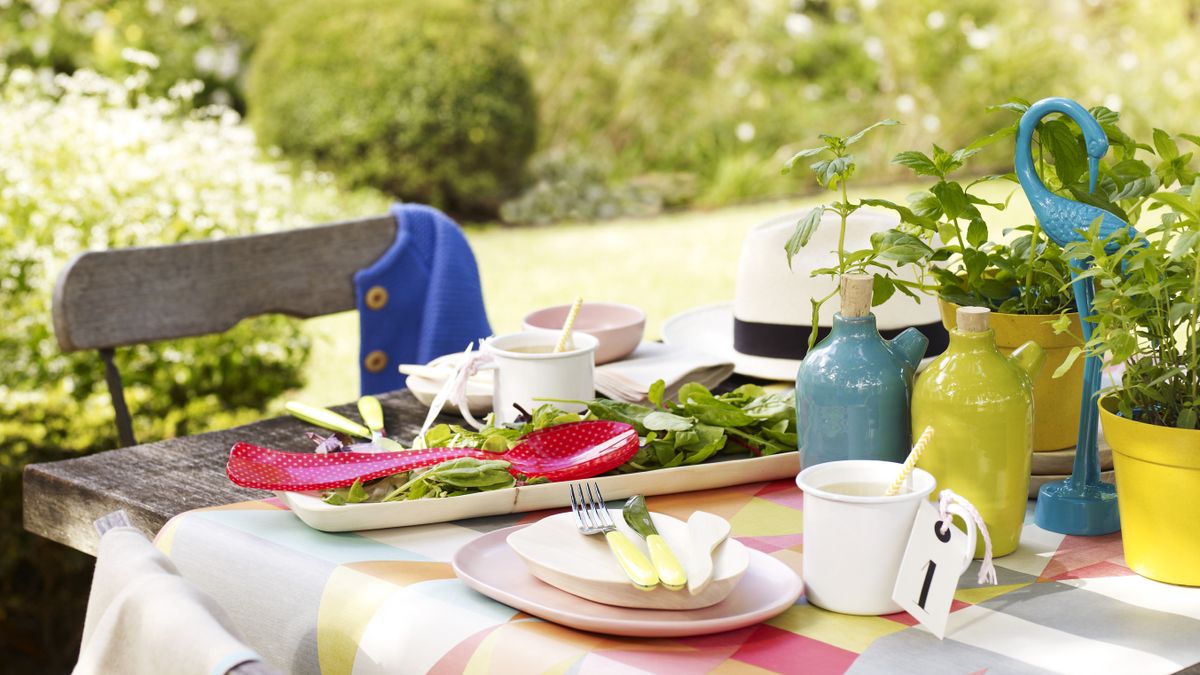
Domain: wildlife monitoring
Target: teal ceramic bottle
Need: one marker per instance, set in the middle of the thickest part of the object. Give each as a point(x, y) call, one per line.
point(853, 388)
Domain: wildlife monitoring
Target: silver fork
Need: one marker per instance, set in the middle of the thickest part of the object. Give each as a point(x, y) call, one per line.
point(592, 517)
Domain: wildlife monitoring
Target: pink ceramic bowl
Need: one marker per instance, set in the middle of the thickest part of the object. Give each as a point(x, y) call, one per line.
point(619, 328)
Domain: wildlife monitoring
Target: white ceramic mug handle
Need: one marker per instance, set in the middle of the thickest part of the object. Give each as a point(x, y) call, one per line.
point(464, 409)
point(959, 511)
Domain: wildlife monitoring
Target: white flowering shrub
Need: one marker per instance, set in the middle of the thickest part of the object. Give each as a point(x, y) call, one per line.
point(91, 163)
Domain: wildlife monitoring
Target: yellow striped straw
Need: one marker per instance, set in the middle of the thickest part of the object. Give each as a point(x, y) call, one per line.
point(568, 324)
point(910, 463)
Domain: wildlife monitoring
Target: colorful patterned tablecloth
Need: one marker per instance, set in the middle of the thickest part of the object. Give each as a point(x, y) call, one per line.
point(387, 601)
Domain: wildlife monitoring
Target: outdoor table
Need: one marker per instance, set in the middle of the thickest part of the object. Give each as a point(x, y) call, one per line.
point(387, 600)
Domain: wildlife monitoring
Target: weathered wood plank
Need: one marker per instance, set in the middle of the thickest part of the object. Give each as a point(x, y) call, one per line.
point(156, 481)
point(134, 295)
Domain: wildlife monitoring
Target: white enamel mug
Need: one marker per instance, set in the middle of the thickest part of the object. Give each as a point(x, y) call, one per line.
point(853, 544)
point(521, 376)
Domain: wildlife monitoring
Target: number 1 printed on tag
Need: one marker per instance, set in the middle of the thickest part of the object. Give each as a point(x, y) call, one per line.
point(936, 555)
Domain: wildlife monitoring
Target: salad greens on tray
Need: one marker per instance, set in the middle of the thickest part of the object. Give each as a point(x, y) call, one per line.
point(691, 430)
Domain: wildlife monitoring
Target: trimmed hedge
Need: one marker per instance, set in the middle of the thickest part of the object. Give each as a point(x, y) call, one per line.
point(424, 100)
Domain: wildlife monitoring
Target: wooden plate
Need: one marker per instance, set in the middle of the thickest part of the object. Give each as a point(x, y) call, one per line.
point(555, 552)
point(488, 565)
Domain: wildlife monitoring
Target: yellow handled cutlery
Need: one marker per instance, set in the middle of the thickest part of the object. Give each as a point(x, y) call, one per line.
point(592, 517)
point(670, 572)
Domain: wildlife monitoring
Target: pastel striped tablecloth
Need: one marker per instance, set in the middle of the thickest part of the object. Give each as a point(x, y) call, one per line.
point(386, 601)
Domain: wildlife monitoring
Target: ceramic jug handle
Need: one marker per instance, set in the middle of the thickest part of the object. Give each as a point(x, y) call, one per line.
point(959, 511)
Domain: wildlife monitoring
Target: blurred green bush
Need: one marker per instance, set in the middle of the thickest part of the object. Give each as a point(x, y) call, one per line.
point(88, 162)
point(424, 100)
point(710, 91)
point(173, 38)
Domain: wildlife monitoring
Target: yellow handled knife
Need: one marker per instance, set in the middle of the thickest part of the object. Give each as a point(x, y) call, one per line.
point(670, 572)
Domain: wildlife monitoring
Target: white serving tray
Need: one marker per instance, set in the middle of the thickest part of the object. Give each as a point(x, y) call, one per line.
point(319, 515)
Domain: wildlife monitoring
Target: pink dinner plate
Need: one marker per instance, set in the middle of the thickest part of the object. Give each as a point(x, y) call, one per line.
point(489, 566)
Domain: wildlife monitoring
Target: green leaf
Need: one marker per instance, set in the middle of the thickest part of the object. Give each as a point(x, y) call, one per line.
point(1191, 137)
point(899, 246)
point(693, 391)
point(830, 172)
point(718, 413)
point(1104, 115)
point(1099, 200)
point(1014, 104)
point(1176, 201)
point(947, 232)
point(1187, 419)
point(1066, 149)
point(619, 411)
point(1072, 357)
point(882, 288)
point(710, 440)
point(356, 494)
point(925, 204)
point(1185, 244)
point(975, 263)
point(906, 214)
point(855, 137)
point(803, 232)
point(977, 233)
point(1180, 310)
point(807, 152)
point(665, 421)
point(770, 406)
point(918, 161)
point(657, 393)
point(951, 198)
point(945, 162)
point(994, 137)
point(963, 154)
point(1166, 148)
point(1062, 324)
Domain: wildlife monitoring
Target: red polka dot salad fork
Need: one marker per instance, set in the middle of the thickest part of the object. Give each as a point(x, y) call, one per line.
point(571, 451)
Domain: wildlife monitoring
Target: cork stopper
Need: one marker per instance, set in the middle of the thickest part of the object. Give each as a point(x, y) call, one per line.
point(856, 295)
point(972, 319)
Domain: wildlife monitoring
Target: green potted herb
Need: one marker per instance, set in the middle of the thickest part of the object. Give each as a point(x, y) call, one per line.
point(1022, 276)
point(1147, 319)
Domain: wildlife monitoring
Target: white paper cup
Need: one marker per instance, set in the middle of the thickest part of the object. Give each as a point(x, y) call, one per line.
point(852, 544)
point(521, 377)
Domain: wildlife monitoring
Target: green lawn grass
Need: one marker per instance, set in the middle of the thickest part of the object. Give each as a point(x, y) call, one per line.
point(664, 265)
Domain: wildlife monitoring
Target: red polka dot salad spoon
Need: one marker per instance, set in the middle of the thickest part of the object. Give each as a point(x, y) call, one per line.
point(564, 452)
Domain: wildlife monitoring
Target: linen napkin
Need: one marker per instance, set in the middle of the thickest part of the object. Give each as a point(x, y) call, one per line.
point(142, 617)
point(630, 378)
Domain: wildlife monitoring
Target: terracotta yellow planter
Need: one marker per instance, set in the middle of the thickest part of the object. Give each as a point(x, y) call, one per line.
point(1158, 494)
point(1055, 400)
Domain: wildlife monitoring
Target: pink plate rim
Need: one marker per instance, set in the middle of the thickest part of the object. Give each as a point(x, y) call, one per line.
point(642, 622)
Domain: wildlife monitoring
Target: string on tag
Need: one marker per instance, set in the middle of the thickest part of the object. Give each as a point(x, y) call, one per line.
point(987, 570)
point(466, 370)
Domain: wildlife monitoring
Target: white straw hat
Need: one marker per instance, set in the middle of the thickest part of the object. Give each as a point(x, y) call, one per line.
point(765, 330)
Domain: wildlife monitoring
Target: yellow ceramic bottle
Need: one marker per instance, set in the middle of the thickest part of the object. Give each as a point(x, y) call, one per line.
point(980, 404)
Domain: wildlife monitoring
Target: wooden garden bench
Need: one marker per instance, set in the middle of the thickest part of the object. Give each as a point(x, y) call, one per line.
point(115, 298)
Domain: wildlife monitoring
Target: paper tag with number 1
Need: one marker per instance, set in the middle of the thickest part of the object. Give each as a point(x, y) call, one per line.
point(936, 556)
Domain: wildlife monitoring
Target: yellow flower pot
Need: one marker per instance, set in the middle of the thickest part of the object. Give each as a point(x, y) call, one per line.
point(1158, 494)
point(1055, 400)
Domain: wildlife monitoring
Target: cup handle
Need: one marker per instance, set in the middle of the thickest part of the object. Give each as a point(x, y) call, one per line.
point(465, 410)
point(959, 511)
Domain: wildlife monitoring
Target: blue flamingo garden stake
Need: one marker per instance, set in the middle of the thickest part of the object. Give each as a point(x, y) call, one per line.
point(1081, 504)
